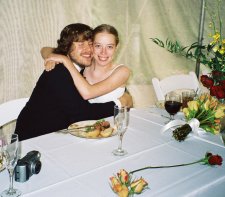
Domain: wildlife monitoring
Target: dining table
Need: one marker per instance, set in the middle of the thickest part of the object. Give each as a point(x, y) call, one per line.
point(77, 166)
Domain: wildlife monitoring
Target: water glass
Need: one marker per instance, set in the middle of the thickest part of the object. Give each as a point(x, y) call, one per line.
point(186, 97)
point(10, 154)
point(121, 121)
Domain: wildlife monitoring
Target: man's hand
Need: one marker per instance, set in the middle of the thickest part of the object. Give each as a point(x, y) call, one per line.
point(53, 59)
point(47, 52)
point(49, 65)
point(126, 100)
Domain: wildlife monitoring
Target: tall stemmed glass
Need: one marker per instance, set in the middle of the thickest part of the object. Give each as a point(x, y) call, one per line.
point(10, 154)
point(172, 104)
point(121, 121)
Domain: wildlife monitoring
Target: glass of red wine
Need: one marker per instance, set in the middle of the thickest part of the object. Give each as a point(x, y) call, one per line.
point(172, 104)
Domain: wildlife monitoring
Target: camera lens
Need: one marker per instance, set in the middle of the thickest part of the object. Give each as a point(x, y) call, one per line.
point(36, 168)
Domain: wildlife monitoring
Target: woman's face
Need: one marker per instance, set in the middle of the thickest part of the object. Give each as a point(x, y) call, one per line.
point(104, 47)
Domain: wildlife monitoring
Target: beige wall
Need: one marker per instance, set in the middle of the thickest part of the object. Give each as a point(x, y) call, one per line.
point(27, 25)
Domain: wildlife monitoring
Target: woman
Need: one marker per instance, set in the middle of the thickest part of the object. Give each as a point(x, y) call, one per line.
point(103, 81)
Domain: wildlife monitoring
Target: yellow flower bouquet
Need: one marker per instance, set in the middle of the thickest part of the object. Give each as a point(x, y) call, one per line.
point(123, 185)
point(207, 110)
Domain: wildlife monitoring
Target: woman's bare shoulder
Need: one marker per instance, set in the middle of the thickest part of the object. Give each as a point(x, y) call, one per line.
point(121, 67)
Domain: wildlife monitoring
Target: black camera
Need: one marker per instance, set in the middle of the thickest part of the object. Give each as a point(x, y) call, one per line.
point(27, 166)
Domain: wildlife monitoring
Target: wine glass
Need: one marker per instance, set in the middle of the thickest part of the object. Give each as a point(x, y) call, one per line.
point(172, 104)
point(121, 120)
point(10, 154)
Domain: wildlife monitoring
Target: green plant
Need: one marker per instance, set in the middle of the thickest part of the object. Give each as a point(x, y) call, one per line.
point(211, 54)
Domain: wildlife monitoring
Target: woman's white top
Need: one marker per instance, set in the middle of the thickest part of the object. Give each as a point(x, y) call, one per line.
point(111, 96)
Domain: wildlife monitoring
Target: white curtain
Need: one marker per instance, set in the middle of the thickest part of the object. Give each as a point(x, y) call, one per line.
point(28, 25)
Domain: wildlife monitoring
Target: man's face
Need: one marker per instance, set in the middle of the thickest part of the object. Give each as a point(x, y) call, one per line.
point(81, 53)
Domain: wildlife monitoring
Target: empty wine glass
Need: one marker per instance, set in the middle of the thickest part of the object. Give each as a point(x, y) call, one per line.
point(172, 104)
point(121, 120)
point(10, 154)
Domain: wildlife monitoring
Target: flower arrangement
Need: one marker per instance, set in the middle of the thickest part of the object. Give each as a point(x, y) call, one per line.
point(207, 110)
point(123, 186)
point(211, 54)
point(215, 82)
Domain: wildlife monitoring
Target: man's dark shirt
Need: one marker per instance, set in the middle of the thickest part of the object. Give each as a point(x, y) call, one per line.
point(55, 103)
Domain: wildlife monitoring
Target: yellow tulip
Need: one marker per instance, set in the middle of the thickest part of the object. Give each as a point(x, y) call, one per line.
point(213, 105)
point(202, 97)
point(138, 185)
point(193, 105)
point(219, 113)
point(186, 112)
point(213, 99)
point(221, 51)
point(123, 192)
point(115, 184)
point(123, 176)
point(221, 106)
point(206, 105)
point(216, 37)
point(216, 131)
point(215, 49)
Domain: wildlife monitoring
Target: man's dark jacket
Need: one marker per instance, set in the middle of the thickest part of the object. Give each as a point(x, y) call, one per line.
point(55, 103)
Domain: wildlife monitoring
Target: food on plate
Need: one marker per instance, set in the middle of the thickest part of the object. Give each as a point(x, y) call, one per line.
point(97, 129)
point(107, 132)
point(93, 133)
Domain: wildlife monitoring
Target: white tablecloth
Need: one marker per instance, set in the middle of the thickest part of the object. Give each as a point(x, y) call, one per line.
point(81, 167)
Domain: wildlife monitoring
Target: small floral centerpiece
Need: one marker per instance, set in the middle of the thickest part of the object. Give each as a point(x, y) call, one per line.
point(207, 110)
point(123, 185)
point(212, 54)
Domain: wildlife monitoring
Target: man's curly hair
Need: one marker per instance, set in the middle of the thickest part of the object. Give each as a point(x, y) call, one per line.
point(76, 32)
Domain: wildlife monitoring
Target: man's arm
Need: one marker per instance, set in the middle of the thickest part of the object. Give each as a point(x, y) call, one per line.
point(46, 51)
point(71, 102)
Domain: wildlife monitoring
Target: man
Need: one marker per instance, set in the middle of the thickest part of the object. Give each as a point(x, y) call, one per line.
point(55, 102)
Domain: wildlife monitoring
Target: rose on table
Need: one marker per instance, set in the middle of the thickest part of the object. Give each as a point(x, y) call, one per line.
point(123, 185)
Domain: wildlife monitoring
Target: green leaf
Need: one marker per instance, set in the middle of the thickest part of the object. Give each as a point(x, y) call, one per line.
point(158, 42)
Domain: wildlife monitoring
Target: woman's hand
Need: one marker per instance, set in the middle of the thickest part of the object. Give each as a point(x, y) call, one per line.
point(126, 100)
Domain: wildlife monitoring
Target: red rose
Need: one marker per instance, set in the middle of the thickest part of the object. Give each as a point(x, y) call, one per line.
point(215, 160)
point(207, 81)
point(220, 93)
point(222, 83)
point(213, 90)
point(217, 91)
